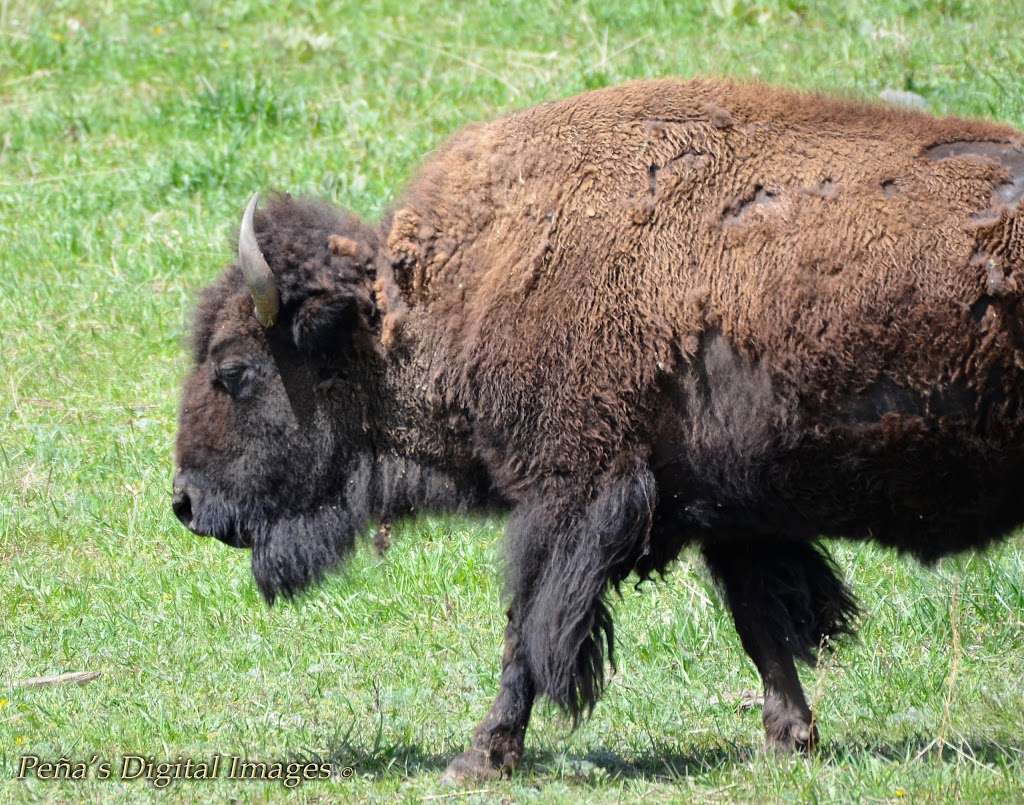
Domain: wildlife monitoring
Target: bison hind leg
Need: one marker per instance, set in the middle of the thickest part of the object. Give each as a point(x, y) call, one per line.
point(810, 606)
point(787, 602)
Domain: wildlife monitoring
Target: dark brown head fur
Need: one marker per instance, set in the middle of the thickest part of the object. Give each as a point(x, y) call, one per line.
point(283, 442)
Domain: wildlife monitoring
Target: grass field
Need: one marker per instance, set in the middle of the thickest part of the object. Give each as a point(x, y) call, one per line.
point(130, 135)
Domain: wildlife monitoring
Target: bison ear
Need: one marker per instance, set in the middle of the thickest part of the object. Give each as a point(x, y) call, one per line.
point(339, 301)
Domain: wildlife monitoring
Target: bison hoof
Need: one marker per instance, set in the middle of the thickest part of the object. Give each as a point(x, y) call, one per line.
point(475, 765)
point(792, 736)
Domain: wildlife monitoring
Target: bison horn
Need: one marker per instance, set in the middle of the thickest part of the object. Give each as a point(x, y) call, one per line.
point(258, 276)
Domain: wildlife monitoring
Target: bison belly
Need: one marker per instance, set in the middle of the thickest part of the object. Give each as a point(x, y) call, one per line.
point(930, 474)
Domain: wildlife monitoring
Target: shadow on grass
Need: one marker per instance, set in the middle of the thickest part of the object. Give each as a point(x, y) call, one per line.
point(985, 751)
point(410, 760)
point(915, 748)
point(406, 760)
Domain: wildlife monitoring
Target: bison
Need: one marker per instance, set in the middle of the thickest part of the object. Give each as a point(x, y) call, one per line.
point(664, 314)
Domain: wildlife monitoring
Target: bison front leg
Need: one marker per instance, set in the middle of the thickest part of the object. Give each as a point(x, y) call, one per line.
point(497, 742)
point(563, 551)
point(786, 602)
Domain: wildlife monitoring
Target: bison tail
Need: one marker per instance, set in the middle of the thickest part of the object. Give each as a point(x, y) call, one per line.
point(561, 567)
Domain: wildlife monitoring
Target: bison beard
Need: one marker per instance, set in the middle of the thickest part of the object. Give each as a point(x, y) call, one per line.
point(291, 554)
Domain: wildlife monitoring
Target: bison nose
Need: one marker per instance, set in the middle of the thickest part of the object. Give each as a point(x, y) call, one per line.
point(182, 504)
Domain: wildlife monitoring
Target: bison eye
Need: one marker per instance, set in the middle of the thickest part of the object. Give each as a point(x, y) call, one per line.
point(233, 378)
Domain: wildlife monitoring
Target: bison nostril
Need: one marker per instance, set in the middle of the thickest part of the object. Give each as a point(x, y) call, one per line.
point(182, 505)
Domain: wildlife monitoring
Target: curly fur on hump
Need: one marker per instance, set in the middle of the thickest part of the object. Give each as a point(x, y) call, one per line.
point(617, 271)
point(662, 313)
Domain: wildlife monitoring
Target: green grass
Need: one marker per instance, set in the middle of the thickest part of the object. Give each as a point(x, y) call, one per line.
point(130, 135)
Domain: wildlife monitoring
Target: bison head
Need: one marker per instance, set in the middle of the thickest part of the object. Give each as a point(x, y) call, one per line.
point(275, 431)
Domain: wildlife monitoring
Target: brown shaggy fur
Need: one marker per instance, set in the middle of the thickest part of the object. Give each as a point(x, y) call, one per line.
point(566, 266)
point(661, 313)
